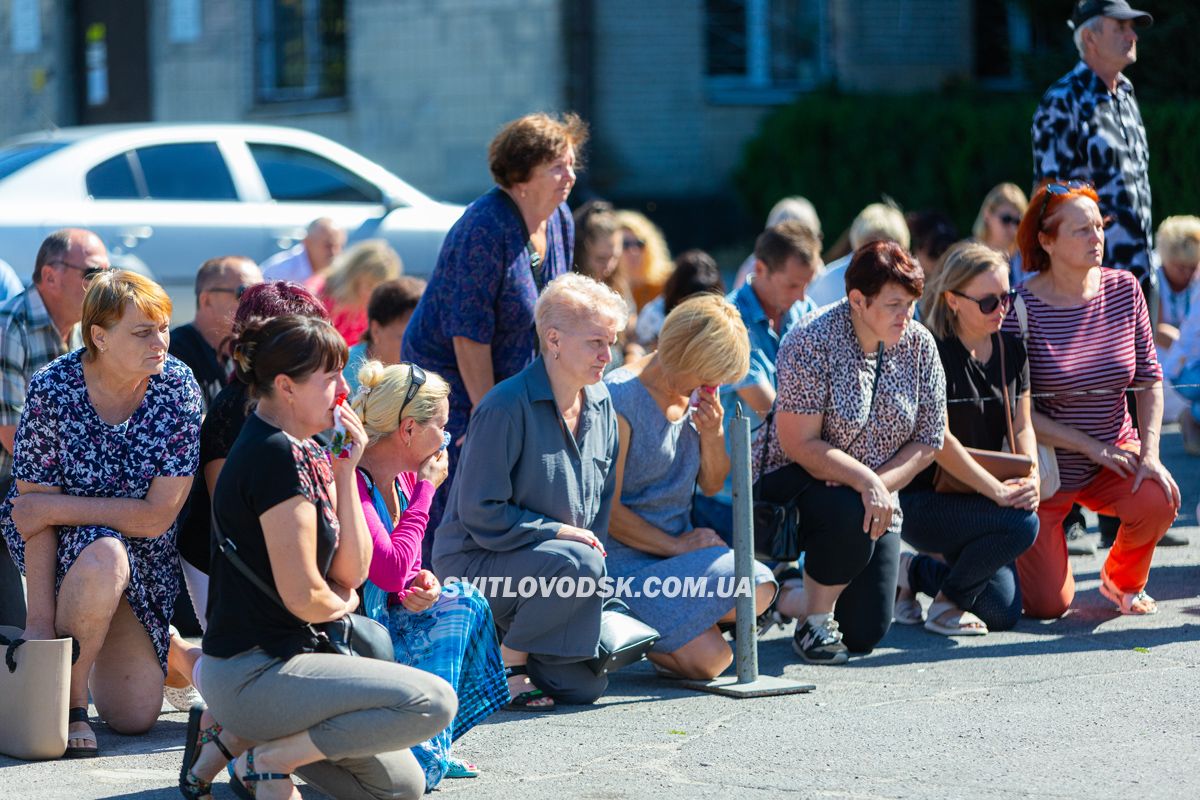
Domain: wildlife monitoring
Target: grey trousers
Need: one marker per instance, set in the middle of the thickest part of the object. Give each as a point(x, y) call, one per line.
point(361, 713)
point(559, 633)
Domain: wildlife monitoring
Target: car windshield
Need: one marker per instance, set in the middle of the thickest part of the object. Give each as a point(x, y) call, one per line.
point(16, 156)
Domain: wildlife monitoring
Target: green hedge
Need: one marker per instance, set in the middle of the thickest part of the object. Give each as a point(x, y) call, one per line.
point(933, 151)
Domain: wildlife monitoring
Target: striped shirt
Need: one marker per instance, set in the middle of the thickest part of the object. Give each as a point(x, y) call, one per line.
point(1101, 347)
point(28, 341)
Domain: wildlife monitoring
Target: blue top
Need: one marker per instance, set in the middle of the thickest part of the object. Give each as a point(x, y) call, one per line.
point(663, 459)
point(483, 289)
point(523, 474)
point(764, 347)
point(355, 361)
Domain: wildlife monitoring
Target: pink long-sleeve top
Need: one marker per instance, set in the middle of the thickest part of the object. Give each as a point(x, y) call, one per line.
point(396, 552)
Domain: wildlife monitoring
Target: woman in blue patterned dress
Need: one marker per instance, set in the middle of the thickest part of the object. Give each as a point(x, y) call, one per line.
point(103, 460)
point(474, 324)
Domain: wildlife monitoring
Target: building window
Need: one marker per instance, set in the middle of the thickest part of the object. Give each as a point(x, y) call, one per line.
point(1009, 40)
point(300, 50)
point(764, 51)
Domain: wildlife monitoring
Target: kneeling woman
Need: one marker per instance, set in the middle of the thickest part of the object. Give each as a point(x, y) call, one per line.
point(860, 411)
point(980, 534)
point(449, 633)
point(345, 724)
point(532, 495)
point(669, 446)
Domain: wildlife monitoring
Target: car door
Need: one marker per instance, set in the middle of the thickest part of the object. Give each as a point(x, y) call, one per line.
point(302, 185)
point(171, 206)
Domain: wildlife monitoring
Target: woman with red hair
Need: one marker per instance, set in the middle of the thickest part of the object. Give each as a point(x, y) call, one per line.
point(1088, 335)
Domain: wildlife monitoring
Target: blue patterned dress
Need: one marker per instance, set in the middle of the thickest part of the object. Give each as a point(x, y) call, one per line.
point(61, 441)
point(483, 288)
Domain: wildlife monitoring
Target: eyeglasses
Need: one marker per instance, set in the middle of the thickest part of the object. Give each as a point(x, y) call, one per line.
point(991, 302)
point(1009, 220)
point(236, 291)
point(634, 244)
point(1060, 189)
point(416, 379)
point(88, 272)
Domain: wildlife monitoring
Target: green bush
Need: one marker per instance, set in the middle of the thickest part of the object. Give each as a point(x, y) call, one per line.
point(941, 151)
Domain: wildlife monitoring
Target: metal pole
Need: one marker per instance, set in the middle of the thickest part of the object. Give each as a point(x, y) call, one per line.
point(743, 547)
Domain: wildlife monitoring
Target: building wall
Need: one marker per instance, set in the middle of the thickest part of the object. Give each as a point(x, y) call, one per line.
point(655, 131)
point(901, 45)
point(35, 88)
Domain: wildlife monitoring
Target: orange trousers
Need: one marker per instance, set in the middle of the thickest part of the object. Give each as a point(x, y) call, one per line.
point(1047, 585)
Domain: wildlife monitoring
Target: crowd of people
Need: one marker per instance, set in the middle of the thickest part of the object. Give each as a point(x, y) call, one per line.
point(330, 437)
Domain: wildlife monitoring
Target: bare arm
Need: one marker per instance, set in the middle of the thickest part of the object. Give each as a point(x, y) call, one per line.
point(624, 525)
point(353, 557)
point(759, 397)
point(709, 418)
point(212, 471)
point(1150, 411)
point(290, 533)
point(145, 518)
point(899, 470)
point(8, 434)
point(475, 366)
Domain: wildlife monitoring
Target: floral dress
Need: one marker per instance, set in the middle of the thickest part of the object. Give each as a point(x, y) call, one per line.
point(61, 441)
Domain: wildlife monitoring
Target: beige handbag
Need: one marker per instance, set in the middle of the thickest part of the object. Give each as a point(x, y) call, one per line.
point(35, 683)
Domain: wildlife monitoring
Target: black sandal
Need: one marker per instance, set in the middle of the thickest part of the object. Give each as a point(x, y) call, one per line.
point(190, 786)
point(522, 701)
point(238, 784)
point(80, 714)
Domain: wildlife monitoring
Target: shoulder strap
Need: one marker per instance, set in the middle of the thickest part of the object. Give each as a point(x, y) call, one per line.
point(229, 550)
point(1022, 316)
point(1008, 409)
point(535, 258)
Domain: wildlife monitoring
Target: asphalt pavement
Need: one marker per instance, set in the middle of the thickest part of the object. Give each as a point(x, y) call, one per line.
point(1093, 705)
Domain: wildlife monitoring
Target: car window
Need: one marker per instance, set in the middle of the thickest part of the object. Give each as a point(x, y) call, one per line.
point(22, 155)
point(113, 180)
point(186, 171)
point(295, 175)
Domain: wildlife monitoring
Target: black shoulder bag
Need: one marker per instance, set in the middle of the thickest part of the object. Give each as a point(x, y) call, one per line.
point(352, 635)
point(777, 525)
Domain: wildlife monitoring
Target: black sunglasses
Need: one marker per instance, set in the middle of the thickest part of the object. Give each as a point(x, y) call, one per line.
point(236, 291)
point(633, 244)
point(1059, 189)
point(416, 379)
point(88, 272)
point(991, 302)
point(1010, 220)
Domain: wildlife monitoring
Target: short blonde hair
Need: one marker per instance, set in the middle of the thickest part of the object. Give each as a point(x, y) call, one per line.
point(104, 303)
point(572, 298)
point(705, 335)
point(999, 195)
point(960, 265)
point(657, 265)
point(879, 222)
point(381, 392)
point(1179, 239)
point(373, 260)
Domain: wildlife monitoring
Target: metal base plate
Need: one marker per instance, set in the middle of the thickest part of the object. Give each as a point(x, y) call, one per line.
point(765, 686)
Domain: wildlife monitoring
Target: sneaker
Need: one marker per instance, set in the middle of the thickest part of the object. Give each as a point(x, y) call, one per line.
point(1077, 541)
point(820, 644)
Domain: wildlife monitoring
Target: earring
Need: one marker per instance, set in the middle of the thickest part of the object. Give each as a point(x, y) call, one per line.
point(556, 355)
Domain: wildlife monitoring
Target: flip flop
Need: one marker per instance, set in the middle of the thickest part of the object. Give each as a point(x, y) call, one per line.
point(1136, 604)
point(957, 624)
point(907, 611)
point(80, 714)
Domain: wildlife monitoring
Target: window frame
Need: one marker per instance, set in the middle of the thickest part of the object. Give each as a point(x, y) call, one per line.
point(267, 92)
point(755, 86)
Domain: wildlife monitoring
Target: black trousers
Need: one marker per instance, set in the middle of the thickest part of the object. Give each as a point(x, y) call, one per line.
point(836, 551)
point(12, 592)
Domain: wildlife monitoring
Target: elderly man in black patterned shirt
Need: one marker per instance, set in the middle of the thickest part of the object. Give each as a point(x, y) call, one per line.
point(1088, 127)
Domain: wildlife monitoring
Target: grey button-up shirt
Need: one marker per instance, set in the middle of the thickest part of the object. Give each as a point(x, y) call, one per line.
point(523, 475)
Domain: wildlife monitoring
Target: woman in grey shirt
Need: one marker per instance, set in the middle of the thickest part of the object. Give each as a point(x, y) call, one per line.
point(532, 495)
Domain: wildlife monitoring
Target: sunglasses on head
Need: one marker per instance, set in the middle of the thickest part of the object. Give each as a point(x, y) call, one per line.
point(1059, 189)
point(416, 379)
point(990, 302)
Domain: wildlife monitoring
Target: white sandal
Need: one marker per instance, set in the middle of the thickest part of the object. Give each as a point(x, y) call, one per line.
point(964, 623)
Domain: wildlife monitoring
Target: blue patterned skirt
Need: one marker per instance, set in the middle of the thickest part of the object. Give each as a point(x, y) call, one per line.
point(455, 640)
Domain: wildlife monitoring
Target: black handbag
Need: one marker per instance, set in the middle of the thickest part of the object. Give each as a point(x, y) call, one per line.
point(624, 639)
point(351, 635)
point(777, 525)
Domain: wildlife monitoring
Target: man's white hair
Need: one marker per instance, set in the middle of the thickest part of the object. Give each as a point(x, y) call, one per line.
point(1092, 25)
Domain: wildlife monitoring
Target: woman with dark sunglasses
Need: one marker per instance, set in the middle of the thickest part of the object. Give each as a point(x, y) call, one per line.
point(981, 531)
point(996, 225)
point(1088, 335)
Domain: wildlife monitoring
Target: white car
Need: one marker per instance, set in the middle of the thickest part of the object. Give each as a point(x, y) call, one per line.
point(165, 197)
